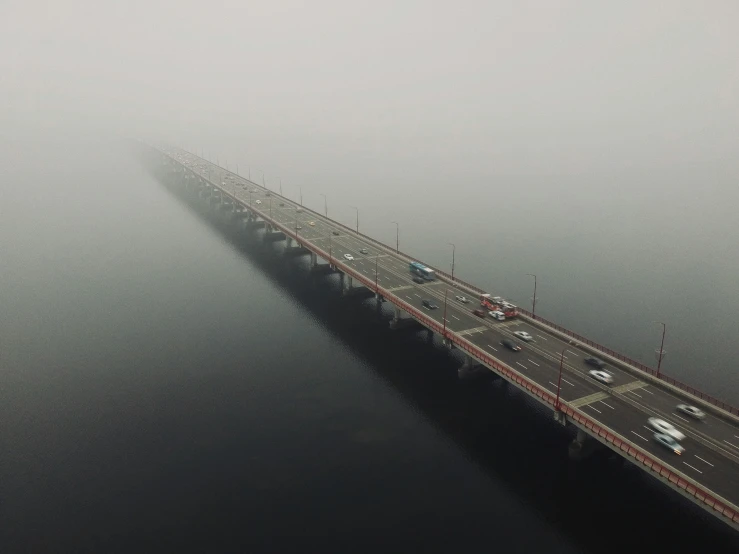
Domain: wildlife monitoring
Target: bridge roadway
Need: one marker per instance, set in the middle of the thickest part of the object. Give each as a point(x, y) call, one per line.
point(711, 457)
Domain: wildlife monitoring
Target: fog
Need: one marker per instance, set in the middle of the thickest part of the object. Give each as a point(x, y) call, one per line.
point(571, 139)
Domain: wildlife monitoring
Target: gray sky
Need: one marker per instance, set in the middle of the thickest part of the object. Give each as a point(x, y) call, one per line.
point(566, 83)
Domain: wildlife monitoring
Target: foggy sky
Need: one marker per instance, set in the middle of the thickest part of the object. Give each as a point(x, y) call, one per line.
point(550, 83)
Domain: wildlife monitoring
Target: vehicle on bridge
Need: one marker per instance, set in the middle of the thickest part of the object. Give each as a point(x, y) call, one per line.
point(511, 345)
point(690, 411)
point(428, 304)
point(665, 428)
point(421, 270)
point(523, 335)
point(596, 362)
point(479, 312)
point(497, 314)
point(419, 280)
point(668, 442)
point(498, 304)
point(462, 299)
point(602, 376)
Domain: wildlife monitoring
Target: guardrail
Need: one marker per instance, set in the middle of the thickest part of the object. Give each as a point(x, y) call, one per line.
point(618, 443)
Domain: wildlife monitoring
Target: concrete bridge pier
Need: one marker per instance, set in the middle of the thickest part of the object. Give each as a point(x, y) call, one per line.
point(581, 446)
point(470, 369)
point(313, 260)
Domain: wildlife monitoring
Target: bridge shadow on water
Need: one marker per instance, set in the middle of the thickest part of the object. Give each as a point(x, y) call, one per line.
point(599, 502)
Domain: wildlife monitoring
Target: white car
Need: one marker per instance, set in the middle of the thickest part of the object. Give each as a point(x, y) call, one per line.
point(349, 257)
point(691, 411)
point(500, 316)
point(523, 335)
point(462, 299)
point(312, 223)
point(259, 201)
point(666, 428)
point(601, 376)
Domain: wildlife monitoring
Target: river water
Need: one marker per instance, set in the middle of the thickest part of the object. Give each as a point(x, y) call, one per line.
point(166, 389)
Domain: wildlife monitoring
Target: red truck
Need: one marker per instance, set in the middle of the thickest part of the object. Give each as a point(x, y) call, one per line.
point(498, 304)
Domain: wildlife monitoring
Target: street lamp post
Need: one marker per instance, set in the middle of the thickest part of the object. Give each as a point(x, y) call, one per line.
point(446, 292)
point(533, 307)
point(357, 216)
point(301, 194)
point(559, 381)
point(325, 204)
point(377, 290)
point(661, 348)
point(280, 187)
point(397, 237)
point(454, 248)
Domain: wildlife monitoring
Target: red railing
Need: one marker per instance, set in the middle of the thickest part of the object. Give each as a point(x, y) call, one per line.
point(622, 445)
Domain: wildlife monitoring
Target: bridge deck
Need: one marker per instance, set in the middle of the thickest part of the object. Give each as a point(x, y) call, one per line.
point(617, 413)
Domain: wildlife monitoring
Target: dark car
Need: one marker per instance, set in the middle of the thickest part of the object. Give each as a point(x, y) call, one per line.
point(419, 280)
point(479, 312)
point(268, 194)
point(595, 362)
point(335, 232)
point(511, 345)
point(428, 304)
point(282, 203)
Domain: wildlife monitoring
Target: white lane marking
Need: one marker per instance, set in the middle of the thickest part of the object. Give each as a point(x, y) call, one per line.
point(492, 347)
point(638, 435)
point(419, 296)
point(735, 446)
point(691, 467)
point(596, 409)
point(565, 357)
point(455, 317)
point(632, 392)
point(523, 366)
point(538, 335)
point(555, 386)
point(533, 362)
point(566, 381)
point(611, 407)
point(649, 429)
point(645, 390)
point(408, 297)
point(702, 460)
point(677, 416)
point(737, 436)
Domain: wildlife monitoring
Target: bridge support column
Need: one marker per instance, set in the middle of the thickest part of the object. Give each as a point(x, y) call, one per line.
point(470, 369)
point(581, 447)
point(560, 418)
point(313, 260)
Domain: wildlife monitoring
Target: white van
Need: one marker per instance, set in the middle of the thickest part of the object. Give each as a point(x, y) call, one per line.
point(500, 316)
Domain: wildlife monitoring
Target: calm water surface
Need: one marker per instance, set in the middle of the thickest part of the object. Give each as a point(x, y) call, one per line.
point(165, 389)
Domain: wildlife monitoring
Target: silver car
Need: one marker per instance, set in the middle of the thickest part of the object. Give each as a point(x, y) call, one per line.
point(601, 376)
point(668, 442)
point(462, 299)
point(523, 335)
point(665, 428)
point(690, 411)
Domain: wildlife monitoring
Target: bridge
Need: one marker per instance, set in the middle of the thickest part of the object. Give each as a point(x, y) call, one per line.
point(551, 368)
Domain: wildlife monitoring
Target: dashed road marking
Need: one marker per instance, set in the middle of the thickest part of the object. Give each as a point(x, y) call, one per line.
point(611, 407)
point(533, 362)
point(455, 317)
point(566, 381)
point(632, 392)
point(538, 335)
point(592, 408)
point(589, 399)
point(645, 390)
point(679, 417)
point(523, 366)
point(555, 386)
point(492, 347)
point(702, 460)
point(694, 468)
point(638, 435)
point(735, 446)
point(414, 294)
